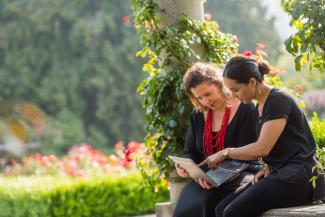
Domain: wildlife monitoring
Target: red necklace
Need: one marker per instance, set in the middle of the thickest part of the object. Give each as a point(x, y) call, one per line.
point(220, 137)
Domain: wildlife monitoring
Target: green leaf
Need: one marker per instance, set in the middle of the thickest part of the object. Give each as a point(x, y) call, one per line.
point(297, 63)
point(148, 68)
point(297, 12)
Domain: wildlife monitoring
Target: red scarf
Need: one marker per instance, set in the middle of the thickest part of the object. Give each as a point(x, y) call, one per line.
point(220, 138)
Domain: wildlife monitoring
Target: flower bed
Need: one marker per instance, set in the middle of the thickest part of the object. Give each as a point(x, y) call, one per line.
point(85, 183)
point(105, 196)
point(80, 161)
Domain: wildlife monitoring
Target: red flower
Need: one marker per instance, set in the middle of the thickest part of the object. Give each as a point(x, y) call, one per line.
point(248, 53)
point(128, 155)
point(38, 157)
point(125, 19)
point(81, 160)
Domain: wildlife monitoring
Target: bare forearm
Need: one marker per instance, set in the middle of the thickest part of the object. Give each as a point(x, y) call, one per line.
point(270, 132)
point(251, 151)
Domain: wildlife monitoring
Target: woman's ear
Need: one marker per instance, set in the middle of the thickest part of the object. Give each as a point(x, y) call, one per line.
point(252, 82)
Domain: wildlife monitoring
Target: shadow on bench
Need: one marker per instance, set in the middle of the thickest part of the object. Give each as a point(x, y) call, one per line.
point(318, 210)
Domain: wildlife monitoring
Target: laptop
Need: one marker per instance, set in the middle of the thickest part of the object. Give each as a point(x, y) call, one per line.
point(226, 171)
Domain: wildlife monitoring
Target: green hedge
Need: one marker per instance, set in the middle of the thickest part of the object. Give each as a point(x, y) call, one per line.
point(93, 197)
point(318, 130)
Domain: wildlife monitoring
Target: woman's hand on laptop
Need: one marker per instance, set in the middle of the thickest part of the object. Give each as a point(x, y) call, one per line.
point(204, 184)
point(213, 160)
point(180, 171)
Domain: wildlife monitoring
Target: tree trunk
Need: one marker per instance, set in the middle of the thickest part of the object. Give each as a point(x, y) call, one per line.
point(171, 11)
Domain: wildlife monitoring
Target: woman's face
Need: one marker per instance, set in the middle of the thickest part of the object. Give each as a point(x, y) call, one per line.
point(244, 92)
point(209, 95)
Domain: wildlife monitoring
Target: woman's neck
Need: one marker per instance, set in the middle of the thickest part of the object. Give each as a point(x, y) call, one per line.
point(220, 108)
point(262, 92)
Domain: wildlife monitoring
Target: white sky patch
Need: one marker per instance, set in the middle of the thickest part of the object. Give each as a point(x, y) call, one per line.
point(282, 19)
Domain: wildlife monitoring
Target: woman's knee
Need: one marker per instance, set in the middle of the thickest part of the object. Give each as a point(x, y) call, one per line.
point(178, 212)
point(189, 209)
point(230, 212)
point(219, 210)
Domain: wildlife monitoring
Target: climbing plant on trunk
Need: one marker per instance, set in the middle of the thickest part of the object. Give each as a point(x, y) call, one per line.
point(170, 51)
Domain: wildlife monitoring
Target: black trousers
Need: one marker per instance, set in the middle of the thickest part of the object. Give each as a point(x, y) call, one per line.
point(266, 194)
point(199, 202)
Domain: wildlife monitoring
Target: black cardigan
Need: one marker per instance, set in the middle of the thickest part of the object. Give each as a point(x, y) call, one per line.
point(240, 131)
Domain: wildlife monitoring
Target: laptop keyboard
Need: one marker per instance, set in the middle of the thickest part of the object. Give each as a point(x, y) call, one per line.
point(219, 175)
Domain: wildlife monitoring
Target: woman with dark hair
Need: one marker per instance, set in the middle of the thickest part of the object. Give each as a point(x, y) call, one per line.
point(219, 122)
point(285, 144)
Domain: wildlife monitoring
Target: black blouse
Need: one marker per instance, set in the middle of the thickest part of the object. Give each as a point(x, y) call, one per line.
point(296, 145)
point(240, 131)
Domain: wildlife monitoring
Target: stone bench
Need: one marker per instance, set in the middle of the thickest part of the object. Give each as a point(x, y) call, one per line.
point(166, 210)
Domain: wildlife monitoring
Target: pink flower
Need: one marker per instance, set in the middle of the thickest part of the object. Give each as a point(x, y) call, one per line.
point(298, 88)
point(119, 146)
point(235, 39)
point(125, 19)
point(207, 16)
point(38, 157)
point(248, 53)
point(133, 146)
point(81, 160)
point(260, 46)
point(84, 148)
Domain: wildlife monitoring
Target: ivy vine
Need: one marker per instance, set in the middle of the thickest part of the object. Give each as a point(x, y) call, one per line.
point(170, 51)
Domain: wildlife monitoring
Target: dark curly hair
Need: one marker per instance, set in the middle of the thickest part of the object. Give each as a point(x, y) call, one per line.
point(199, 73)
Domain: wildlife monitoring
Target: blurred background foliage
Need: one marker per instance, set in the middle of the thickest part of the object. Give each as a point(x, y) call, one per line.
point(75, 61)
point(249, 21)
point(307, 43)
